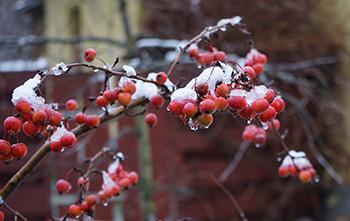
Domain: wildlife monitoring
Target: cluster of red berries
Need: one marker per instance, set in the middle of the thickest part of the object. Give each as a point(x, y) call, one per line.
point(120, 180)
point(254, 63)
point(32, 123)
point(253, 133)
point(122, 95)
point(208, 57)
point(297, 166)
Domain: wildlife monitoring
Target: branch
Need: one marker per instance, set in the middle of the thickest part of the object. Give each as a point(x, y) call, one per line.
point(18, 178)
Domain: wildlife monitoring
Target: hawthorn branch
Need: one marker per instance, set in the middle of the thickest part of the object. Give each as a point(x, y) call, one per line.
point(30, 165)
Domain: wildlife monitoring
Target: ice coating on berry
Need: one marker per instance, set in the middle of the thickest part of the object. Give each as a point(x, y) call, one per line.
point(27, 92)
point(130, 71)
point(255, 93)
point(184, 94)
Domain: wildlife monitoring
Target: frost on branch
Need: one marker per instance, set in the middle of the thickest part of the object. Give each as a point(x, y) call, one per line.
point(130, 71)
point(27, 92)
point(59, 69)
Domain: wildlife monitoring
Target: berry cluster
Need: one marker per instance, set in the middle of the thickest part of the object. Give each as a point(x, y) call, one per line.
point(208, 57)
point(255, 134)
point(115, 181)
point(296, 164)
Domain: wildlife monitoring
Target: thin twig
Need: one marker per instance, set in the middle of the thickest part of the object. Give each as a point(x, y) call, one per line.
point(16, 213)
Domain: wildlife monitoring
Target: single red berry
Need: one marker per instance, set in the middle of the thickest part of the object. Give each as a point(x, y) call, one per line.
point(110, 95)
point(133, 177)
point(260, 58)
point(39, 117)
point(202, 89)
point(129, 87)
point(80, 118)
point(268, 114)
point(63, 186)
point(221, 103)
point(260, 105)
point(237, 102)
point(30, 128)
point(68, 140)
point(124, 183)
point(283, 171)
point(81, 181)
point(207, 58)
point(157, 101)
point(205, 120)
point(260, 136)
point(12, 124)
point(220, 56)
point(292, 170)
point(84, 206)
point(249, 133)
point(275, 124)
point(207, 106)
point(175, 107)
point(74, 211)
point(270, 95)
point(305, 176)
point(101, 101)
point(151, 119)
point(91, 200)
point(116, 190)
point(258, 68)
point(2, 216)
point(89, 55)
point(19, 150)
point(93, 121)
point(247, 113)
point(124, 98)
point(55, 118)
point(249, 71)
point(193, 51)
point(161, 78)
point(56, 146)
point(5, 147)
point(278, 104)
point(222, 90)
point(23, 107)
point(71, 105)
point(190, 110)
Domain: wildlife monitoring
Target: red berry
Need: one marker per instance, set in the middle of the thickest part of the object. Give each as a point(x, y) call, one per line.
point(129, 87)
point(247, 113)
point(12, 124)
point(221, 103)
point(91, 200)
point(39, 117)
point(278, 104)
point(249, 133)
point(157, 101)
point(207, 58)
point(63, 186)
point(205, 120)
point(71, 105)
point(305, 176)
point(74, 211)
point(55, 118)
point(23, 107)
point(161, 78)
point(2, 216)
point(193, 51)
point(84, 206)
point(151, 119)
point(133, 177)
point(268, 114)
point(110, 95)
point(68, 140)
point(93, 121)
point(202, 89)
point(175, 107)
point(124, 98)
point(270, 95)
point(19, 150)
point(30, 129)
point(101, 101)
point(258, 68)
point(222, 90)
point(5, 147)
point(283, 171)
point(207, 106)
point(124, 183)
point(260, 105)
point(116, 190)
point(292, 170)
point(260, 58)
point(260, 136)
point(275, 124)
point(237, 102)
point(80, 118)
point(190, 110)
point(219, 56)
point(89, 55)
point(249, 71)
point(56, 146)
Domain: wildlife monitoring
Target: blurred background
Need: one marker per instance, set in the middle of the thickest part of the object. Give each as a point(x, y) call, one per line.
point(307, 42)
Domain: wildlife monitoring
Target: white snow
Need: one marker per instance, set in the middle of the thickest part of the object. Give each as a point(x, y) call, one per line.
point(296, 158)
point(27, 93)
point(59, 69)
point(145, 89)
point(184, 94)
point(61, 131)
point(114, 166)
point(130, 71)
point(107, 181)
point(255, 93)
